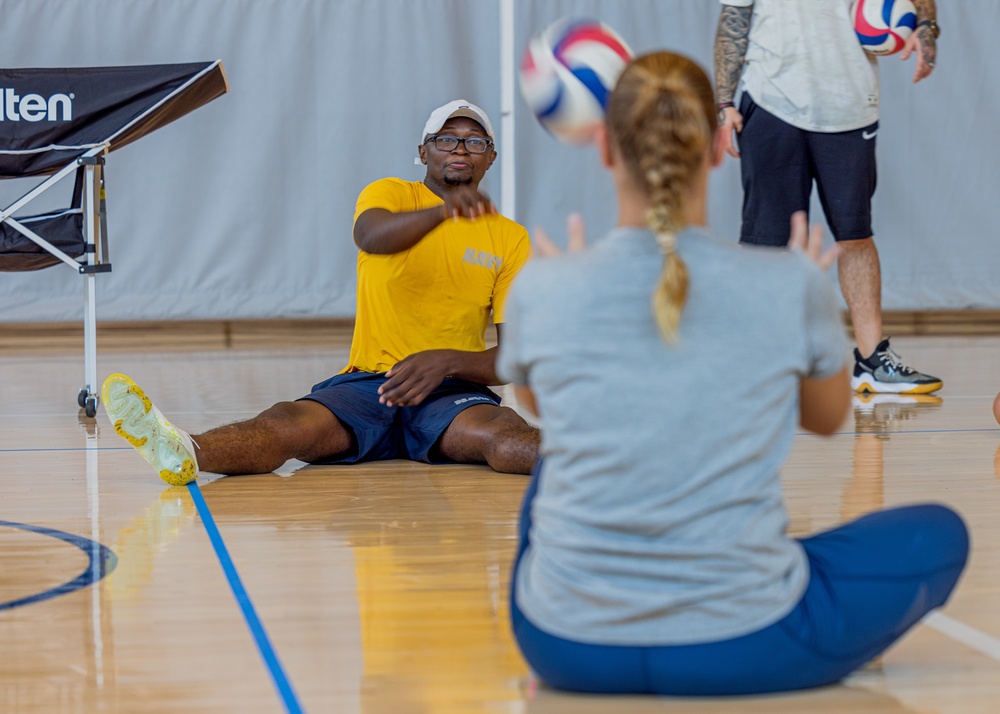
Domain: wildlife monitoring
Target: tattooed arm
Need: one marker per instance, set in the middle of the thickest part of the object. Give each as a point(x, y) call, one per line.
point(731, 40)
point(924, 40)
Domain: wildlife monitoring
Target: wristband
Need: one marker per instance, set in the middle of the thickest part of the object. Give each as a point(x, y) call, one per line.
point(935, 30)
point(726, 105)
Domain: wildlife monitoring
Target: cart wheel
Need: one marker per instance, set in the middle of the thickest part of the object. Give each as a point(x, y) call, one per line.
point(91, 406)
point(81, 397)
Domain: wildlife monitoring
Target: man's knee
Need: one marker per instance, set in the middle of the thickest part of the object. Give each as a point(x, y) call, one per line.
point(512, 446)
point(310, 429)
point(497, 435)
point(502, 423)
point(284, 417)
point(856, 246)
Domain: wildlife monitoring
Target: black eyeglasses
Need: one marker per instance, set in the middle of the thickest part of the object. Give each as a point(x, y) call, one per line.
point(446, 142)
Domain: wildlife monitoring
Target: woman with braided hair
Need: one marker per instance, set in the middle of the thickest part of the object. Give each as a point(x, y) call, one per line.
point(670, 371)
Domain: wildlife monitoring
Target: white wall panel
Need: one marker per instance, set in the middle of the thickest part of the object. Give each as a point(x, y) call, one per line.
point(243, 209)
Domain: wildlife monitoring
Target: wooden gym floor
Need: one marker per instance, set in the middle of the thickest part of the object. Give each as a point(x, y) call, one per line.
point(383, 587)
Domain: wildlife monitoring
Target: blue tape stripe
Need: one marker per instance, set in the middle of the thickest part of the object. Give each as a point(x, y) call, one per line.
point(243, 599)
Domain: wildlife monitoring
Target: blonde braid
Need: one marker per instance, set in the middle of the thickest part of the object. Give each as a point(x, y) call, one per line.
point(658, 120)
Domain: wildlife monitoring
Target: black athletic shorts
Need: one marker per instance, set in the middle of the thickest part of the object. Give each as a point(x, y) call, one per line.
point(780, 162)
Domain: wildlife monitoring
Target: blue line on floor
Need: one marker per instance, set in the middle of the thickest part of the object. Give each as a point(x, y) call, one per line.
point(102, 561)
point(246, 605)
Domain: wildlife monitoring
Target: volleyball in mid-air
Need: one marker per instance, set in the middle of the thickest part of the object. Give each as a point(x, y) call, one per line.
point(883, 26)
point(567, 74)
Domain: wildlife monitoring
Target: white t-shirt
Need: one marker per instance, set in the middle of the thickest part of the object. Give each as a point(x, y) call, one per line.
point(659, 518)
point(805, 65)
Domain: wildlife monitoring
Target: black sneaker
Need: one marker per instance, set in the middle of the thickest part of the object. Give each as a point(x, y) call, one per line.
point(885, 372)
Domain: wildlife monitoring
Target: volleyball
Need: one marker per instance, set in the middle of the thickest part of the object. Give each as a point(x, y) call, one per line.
point(567, 74)
point(883, 26)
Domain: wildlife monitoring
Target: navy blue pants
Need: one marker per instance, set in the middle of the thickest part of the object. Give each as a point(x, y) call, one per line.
point(869, 582)
point(382, 432)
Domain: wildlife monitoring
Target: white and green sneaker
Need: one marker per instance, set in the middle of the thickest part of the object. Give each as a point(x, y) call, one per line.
point(168, 449)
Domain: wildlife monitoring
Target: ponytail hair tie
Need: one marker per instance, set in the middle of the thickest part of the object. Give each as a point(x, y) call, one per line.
point(667, 243)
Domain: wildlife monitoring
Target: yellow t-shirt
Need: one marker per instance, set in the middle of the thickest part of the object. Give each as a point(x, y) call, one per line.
point(439, 293)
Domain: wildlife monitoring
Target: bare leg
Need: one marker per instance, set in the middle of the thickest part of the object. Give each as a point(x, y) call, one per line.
point(495, 435)
point(303, 430)
point(861, 283)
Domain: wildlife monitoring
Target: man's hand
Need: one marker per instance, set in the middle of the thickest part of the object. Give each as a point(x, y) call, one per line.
point(467, 202)
point(732, 124)
point(413, 378)
point(924, 44)
point(575, 230)
point(810, 241)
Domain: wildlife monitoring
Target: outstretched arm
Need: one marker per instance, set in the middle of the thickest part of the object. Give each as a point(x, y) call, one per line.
point(379, 231)
point(923, 40)
point(731, 40)
point(413, 378)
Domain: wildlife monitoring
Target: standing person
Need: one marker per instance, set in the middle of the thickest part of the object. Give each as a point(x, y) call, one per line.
point(670, 370)
point(809, 112)
point(435, 261)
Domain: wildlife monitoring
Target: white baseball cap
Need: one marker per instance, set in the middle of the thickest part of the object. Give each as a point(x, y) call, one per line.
point(457, 108)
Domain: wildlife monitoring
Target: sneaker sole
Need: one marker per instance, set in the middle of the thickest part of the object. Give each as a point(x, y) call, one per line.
point(868, 400)
point(865, 383)
point(135, 419)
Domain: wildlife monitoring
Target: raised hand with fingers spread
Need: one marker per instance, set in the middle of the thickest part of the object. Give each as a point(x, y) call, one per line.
point(576, 238)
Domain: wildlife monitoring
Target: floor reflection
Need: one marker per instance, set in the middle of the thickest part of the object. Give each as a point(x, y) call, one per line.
point(876, 417)
point(431, 560)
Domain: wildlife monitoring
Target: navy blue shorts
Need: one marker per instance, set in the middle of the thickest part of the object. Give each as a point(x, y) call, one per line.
point(870, 581)
point(383, 432)
point(780, 162)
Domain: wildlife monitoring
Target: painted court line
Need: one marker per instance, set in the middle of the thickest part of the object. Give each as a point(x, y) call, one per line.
point(274, 667)
point(968, 636)
point(101, 562)
point(901, 432)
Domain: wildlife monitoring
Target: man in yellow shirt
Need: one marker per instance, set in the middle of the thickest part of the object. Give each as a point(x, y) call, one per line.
point(435, 261)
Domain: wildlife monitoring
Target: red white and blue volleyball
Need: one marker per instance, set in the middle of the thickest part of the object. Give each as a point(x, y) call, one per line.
point(567, 74)
point(883, 26)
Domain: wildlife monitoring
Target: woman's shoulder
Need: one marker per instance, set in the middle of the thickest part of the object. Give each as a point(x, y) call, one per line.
point(759, 272)
point(755, 257)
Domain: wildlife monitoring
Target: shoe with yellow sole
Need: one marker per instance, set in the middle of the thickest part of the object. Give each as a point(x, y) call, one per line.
point(883, 372)
point(168, 449)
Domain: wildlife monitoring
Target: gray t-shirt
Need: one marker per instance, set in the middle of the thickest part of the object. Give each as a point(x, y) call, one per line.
point(659, 517)
point(805, 65)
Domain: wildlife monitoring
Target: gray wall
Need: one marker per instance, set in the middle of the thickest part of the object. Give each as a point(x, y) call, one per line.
point(243, 209)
